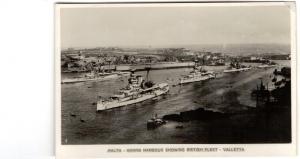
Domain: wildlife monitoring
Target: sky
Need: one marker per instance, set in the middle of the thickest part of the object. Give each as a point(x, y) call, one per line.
point(165, 26)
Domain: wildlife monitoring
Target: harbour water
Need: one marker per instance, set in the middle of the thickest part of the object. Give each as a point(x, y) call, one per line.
point(230, 92)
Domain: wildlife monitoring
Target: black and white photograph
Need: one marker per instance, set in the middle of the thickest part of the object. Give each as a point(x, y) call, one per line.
point(93, 79)
point(165, 73)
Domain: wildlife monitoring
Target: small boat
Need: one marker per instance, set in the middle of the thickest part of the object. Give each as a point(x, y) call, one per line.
point(82, 120)
point(155, 122)
point(73, 114)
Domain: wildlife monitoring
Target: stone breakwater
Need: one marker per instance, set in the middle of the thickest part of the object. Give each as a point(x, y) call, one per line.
point(156, 66)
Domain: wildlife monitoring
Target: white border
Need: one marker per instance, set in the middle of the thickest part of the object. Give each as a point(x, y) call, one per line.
point(91, 151)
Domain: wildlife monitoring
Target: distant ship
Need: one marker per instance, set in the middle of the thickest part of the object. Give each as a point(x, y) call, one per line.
point(236, 67)
point(93, 76)
point(137, 90)
point(267, 64)
point(198, 74)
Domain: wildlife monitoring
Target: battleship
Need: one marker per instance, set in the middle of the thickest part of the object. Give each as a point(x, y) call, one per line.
point(268, 65)
point(198, 74)
point(137, 90)
point(236, 67)
point(93, 76)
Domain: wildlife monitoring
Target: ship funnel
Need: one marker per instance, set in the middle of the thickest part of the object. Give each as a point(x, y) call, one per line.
point(140, 79)
point(132, 71)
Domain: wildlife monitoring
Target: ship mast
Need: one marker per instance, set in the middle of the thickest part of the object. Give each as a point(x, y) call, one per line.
point(196, 63)
point(109, 62)
point(148, 68)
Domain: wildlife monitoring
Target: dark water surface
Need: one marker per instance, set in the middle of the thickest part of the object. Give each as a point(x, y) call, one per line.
point(127, 125)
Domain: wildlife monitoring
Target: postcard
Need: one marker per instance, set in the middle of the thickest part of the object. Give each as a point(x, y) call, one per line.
point(175, 79)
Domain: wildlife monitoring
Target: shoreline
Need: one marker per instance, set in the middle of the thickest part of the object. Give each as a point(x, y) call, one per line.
point(141, 67)
point(155, 66)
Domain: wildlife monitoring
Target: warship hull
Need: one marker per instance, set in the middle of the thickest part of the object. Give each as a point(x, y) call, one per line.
point(266, 66)
point(131, 100)
point(86, 79)
point(196, 79)
point(236, 70)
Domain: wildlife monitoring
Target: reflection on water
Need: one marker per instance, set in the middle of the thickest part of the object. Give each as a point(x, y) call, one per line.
point(81, 124)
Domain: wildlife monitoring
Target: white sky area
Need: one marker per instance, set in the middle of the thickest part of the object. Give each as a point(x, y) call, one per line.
point(163, 26)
